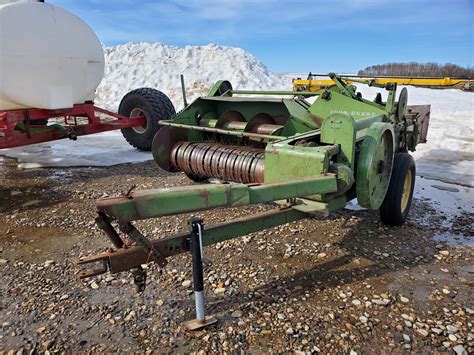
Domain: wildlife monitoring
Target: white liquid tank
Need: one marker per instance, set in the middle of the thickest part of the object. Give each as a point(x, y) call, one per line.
point(49, 58)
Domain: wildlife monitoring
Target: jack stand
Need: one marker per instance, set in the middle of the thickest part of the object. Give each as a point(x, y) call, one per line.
point(196, 226)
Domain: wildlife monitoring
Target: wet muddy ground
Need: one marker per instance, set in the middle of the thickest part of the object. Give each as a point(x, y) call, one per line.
point(338, 284)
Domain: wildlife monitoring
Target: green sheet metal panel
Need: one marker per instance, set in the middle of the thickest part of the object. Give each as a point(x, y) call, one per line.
point(334, 102)
point(286, 162)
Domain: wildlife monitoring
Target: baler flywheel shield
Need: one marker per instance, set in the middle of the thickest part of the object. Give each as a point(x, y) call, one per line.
point(375, 165)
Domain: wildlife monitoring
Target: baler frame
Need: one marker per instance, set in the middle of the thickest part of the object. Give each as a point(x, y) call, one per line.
point(315, 160)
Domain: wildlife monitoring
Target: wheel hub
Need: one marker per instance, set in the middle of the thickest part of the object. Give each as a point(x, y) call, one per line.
point(136, 112)
point(406, 191)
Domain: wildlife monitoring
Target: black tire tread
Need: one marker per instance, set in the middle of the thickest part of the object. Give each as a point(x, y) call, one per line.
point(161, 107)
point(390, 213)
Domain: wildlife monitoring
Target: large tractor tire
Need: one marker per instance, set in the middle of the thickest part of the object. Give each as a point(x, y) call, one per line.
point(396, 205)
point(152, 104)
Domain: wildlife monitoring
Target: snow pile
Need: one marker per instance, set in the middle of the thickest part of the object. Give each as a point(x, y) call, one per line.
point(448, 154)
point(159, 66)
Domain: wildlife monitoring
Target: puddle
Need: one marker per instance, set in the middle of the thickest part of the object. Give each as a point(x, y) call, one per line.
point(455, 240)
point(453, 202)
point(62, 176)
point(448, 199)
point(33, 244)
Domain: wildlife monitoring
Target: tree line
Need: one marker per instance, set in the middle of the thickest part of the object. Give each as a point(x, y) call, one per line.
point(415, 69)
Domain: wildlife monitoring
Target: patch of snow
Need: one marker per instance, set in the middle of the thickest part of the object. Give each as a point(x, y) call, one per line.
point(104, 149)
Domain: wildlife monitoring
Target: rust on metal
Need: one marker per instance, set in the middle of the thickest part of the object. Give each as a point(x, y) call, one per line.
point(317, 119)
point(229, 117)
point(104, 222)
point(232, 163)
point(164, 140)
point(132, 257)
point(135, 235)
point(103, 259)
point(423, 113)
point(257, 120)
point(280, 120)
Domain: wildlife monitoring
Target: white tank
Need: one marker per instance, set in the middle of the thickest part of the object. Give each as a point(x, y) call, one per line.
point(49, 58)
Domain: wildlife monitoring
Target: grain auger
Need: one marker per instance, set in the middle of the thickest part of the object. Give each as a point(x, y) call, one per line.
point(305, 157)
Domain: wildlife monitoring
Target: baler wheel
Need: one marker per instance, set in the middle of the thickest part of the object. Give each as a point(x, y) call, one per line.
point(152, 104)
point(397, 202)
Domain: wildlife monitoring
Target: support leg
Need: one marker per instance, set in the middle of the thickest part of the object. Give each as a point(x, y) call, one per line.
point(201, 321)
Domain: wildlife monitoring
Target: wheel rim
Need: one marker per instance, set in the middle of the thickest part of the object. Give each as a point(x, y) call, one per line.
point(406, 191)
point(136, 112)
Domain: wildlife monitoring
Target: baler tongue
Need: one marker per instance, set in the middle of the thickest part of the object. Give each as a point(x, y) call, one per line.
point(304, 157)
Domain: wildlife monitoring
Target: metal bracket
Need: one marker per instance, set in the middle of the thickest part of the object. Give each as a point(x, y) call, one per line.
point(139, 279)
point(104, 222)
point(104, 259)
point(26, 114)
point(135, 235)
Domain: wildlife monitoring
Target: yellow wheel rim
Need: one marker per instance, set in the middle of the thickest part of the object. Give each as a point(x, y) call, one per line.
point(406, 191)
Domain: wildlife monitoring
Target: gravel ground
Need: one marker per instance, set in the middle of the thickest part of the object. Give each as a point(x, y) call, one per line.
point(345, 283)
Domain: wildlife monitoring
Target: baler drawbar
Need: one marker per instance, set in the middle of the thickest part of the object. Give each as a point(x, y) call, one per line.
point(305, 157)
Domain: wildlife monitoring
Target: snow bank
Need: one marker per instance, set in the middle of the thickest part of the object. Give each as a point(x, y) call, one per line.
point(156, 65)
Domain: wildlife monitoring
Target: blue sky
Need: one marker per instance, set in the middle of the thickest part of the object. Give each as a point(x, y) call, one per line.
point(298, 35)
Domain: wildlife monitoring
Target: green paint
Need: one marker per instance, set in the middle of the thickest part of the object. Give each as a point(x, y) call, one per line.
point(375, 165)
point(169, 201)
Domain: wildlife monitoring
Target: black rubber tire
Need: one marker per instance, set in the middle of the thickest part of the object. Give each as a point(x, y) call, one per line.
point(155, 105)
point(391, 210)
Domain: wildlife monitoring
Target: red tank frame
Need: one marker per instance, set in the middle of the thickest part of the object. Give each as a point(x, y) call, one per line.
point(12, 136)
